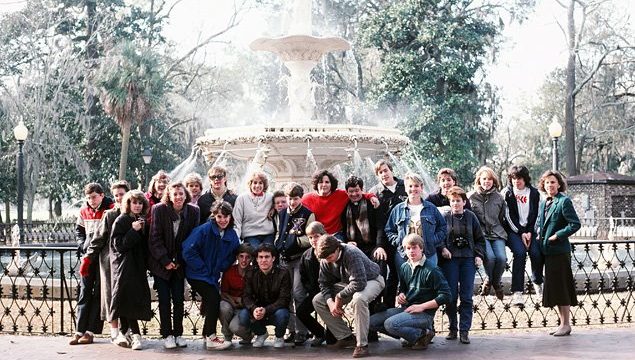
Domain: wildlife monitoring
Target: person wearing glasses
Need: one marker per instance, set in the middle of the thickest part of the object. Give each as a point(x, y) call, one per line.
point(218, 191)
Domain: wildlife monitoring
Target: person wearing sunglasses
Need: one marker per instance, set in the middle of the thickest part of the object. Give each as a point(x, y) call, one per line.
point(218, 191)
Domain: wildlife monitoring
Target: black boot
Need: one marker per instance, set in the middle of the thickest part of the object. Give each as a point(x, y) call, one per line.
point(463, 337)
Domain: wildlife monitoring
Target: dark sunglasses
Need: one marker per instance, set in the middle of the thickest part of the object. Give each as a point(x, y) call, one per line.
point(216, 177)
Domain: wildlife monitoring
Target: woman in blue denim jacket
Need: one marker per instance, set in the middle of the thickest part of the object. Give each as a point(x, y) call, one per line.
point(419, 216)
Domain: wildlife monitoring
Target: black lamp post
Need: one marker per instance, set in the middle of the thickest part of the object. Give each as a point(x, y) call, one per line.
point(147, 159)
point(555, 131)
point(20, 132)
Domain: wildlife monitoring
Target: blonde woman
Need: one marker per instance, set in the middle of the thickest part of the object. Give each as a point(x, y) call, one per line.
point(489, 206)
point(253, 225)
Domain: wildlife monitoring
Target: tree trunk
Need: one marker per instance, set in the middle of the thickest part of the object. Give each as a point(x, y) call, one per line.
point(569, 109)
point(125, 141)
point(50, 208)
point(57, 208)
point(7, 211)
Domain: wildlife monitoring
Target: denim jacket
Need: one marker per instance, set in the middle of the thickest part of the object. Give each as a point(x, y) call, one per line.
point(434, 227)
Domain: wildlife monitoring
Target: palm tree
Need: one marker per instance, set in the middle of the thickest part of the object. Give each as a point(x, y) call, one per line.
point(131, 87)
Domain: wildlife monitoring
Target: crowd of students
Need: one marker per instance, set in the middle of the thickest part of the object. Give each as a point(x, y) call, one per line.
point(392, 255)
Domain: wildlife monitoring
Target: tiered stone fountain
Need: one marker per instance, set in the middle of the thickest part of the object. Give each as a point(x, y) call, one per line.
point(294, 150)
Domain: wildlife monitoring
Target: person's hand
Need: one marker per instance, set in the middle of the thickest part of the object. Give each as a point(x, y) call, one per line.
point(446, 253)
point(137, 225)
point(414, 309)
point(352, 243)
point(259, 313)
point(375, 201)
point(84, 267)
point(401, 299)
point(171, 266)
point(478, 261)
point(380, 254)
point(553, 237)
point(335, 309)
point(526, 237)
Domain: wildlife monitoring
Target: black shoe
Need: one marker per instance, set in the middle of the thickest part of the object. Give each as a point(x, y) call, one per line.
point(299, 339)
point(348, 342)
point(373, 336)
point(317, 341)
point(290, 338)
point(464, 338)
point(451, 335)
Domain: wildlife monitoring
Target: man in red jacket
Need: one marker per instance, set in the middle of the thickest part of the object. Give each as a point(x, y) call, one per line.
point(88, 303)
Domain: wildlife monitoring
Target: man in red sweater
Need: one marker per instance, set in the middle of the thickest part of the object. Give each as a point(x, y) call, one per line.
point(328, 202)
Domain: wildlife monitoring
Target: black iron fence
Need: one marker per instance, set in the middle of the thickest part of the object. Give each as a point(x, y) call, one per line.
point(39, 287)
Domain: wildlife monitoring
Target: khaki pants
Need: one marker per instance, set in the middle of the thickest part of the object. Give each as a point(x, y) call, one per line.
point(361, 315)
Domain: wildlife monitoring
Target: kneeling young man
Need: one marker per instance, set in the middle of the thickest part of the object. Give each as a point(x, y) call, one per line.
point(266, 297)
point(347, 275)
point(422, 289)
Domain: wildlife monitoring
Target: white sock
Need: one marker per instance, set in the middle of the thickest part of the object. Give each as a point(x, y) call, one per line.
point(114, 332)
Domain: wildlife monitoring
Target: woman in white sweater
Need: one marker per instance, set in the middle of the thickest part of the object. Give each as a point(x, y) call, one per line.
point(251, 211)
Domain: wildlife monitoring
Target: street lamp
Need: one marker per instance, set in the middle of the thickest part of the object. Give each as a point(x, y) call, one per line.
point(20, 132)
point(147, 159)
point(555, 131)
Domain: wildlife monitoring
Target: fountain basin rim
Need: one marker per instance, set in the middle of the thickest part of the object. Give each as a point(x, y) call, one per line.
point(303, 133)
point(300, 42)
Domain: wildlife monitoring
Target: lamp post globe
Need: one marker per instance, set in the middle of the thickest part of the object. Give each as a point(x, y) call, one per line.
point(147, 159)
point(555, 131)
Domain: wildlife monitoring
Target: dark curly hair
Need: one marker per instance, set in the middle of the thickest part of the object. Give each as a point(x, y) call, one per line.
point(317, 178)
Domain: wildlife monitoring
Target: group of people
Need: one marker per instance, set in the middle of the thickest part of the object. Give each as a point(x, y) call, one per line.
point(393, 255)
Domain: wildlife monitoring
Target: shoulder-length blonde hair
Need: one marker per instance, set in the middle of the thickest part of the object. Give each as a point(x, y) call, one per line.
point(134, 195)
point(490, 174)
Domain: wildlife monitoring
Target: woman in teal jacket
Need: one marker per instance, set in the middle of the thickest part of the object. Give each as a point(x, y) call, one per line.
point(557, 221)
point(208, 251)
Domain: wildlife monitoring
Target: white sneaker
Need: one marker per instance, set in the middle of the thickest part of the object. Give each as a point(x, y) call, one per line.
point(121, 340)
point(517, 298)
point(215, 343)
point(136, 342)
point(538, 290)
point(169, 342)
point(278, 343)
point(260, 341)
point(180, 342)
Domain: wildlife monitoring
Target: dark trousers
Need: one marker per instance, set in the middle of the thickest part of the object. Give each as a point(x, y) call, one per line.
point(460, 272)
point(89, 302)
point(279, 319)
point(515, 244)
point(392, 279)
point(132, 324)
point(304, 311)
point(211, 301)
point(171, 297)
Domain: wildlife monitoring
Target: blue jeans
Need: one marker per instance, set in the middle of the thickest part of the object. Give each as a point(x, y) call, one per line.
point(517, 247)
point(171, 297)
point(397, 323)
point(399, 260)
point(460, 272)
point(255, 241)
point(279, 319)
point(496, 260)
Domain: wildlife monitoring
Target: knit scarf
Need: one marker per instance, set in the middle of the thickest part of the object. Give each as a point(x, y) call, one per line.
point(361, 222)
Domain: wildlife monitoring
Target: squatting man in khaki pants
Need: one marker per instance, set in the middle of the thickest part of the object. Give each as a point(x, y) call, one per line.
point(347, 275)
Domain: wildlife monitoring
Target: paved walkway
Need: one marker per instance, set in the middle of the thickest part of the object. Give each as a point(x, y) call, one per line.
point(608, 342)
